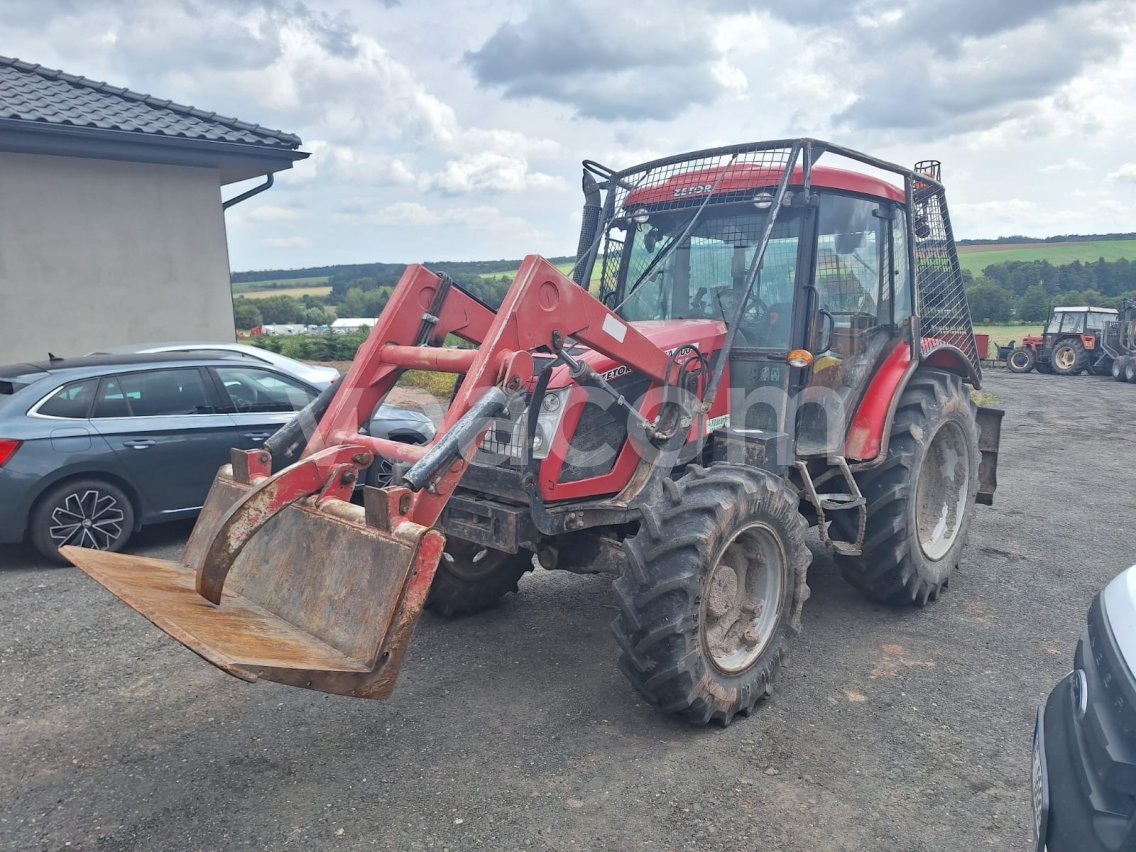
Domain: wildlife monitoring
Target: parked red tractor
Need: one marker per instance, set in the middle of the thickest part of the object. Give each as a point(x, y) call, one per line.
point(774, 344)
point(1071, 344)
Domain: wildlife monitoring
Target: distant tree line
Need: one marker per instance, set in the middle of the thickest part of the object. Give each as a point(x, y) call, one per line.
point(1017, 290)
point(1027, 290)
point(1016, 239)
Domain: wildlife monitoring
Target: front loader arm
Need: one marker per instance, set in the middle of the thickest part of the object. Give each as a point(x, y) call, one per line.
point(286, 580)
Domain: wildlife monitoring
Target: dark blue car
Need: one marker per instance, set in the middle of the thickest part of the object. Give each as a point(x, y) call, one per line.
point(93, 448)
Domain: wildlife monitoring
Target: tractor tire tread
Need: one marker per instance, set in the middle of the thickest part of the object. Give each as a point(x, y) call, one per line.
point(659, 596)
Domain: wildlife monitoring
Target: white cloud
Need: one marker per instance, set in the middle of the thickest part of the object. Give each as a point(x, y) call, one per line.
point(489, 173)
point(287, 242)
point(272, 213)
point(1072, 164)
point(1125, 174)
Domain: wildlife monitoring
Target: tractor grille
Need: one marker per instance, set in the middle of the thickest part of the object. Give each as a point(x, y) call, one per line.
point(504, 441)
point(601, 432)
point(944, 313)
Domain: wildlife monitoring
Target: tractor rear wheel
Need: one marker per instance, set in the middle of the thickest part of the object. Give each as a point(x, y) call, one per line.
point(1069, 357)
point(471, 578)
point(1130, 370)
point(714, 582)
point(1020, 361)
point(921, 499)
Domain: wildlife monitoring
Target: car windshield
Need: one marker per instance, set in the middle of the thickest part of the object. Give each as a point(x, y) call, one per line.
point(704, 274)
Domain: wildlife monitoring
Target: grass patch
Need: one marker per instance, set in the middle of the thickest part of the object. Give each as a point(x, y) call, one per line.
point(247, 286)
point(440, 385)
point(297, 292)
point(977, 258)
point(984, 398)
point(1001, 335)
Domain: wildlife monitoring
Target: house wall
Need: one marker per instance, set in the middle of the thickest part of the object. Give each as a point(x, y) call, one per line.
point(96, 253)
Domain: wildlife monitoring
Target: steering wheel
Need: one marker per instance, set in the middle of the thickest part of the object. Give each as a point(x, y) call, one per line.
point(241, 404)
point(756, 309)
point(728, 303)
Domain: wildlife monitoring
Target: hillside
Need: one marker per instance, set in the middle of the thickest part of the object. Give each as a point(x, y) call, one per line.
point(974, 255)
point(977, 257)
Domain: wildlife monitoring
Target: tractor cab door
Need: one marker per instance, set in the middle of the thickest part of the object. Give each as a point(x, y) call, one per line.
point(863, 300)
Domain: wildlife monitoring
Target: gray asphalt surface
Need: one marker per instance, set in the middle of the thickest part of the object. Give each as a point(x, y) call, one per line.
point(897, 730)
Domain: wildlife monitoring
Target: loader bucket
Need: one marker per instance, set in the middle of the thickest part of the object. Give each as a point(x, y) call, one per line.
point(322, 596)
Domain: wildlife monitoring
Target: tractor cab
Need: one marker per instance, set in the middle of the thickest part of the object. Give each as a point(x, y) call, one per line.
point(831, 295)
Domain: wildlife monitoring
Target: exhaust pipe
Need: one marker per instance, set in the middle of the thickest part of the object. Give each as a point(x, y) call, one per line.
point(589, 224)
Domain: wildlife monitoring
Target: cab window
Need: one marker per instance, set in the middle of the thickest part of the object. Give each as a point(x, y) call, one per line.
point(1073, 323)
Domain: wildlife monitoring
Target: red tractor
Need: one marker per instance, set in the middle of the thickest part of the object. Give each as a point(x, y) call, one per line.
point(774, 344)
point(1071, 344)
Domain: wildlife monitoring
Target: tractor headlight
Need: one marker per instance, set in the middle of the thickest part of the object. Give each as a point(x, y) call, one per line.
point(548, 421)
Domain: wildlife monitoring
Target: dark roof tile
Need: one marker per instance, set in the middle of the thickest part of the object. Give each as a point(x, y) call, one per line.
point(32, 93)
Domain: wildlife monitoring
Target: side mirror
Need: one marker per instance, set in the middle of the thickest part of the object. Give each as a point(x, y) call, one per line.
point(825, 331)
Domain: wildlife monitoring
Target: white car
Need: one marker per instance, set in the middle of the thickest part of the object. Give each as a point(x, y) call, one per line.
point(313, 374)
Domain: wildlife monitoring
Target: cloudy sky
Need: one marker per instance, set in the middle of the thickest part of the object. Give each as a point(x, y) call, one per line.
point(454, 130)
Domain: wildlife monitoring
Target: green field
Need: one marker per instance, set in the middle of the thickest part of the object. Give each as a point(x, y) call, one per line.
point(297, 292)
point(256, 286)
point(1003, 334)
point(977, 258)
point(566, 268)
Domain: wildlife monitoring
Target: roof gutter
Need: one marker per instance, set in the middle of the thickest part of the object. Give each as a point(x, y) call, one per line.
point(245, 196)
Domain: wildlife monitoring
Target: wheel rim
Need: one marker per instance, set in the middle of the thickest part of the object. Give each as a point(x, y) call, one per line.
point(941, 496)
point(91, 518)
point(741, 606)
point(383, 471)
point(1065, 358)
point(1019, 360)
point(471, 561)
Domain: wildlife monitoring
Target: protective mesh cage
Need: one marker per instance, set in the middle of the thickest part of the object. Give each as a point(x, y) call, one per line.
point(730, 174)
point(944, 313)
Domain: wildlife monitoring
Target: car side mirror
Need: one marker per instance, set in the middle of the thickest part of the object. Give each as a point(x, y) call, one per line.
point(825, 331)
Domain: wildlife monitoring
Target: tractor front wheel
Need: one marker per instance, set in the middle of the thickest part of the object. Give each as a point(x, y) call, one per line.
point(1069, 357)
point(471, 578)
point(921, 499)
point(1020, 361)
point(714, 582)
point(1130, 370)
point(1118, 368)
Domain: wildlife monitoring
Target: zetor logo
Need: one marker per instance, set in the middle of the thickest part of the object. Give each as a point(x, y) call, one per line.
point(697, 189)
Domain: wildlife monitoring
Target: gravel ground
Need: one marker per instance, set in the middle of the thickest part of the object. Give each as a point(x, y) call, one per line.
point(905, 730)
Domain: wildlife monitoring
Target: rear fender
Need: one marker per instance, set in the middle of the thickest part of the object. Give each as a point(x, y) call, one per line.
point(870, 431)
point(950, 359)
point(868, 434)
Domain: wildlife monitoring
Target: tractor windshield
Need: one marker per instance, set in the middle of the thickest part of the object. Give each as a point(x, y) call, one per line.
point(702, 276)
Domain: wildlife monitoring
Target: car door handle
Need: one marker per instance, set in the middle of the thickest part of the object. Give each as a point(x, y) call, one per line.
point(139, 444)
point(256, 436)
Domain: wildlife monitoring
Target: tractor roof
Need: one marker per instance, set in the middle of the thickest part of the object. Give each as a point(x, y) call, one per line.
point(741, 178)
point(1080, 309)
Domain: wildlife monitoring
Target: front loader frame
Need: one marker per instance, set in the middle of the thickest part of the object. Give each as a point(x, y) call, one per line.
point(325, 595)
